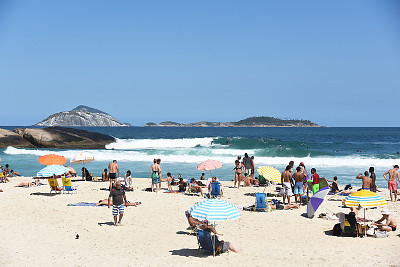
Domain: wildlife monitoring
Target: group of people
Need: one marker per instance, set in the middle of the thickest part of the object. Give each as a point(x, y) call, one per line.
point(244, 170)
point(6, 172)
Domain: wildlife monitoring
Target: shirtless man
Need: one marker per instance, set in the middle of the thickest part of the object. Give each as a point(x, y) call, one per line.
point(155, 175)
point(286, 180)
point(392, 183)
point(391, 223)
point(373, 177)
point(366, 180)
point(298, 177)
point(114, 168)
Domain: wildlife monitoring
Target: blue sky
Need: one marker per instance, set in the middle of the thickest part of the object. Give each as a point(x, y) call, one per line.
point(336, 63)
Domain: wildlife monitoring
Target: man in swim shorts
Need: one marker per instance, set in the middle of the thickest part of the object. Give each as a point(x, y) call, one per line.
point(117, 195)
point(391, 223)
point(114, 168)
point(155, 175)
point(366, 180)
point(392, 183)
point(315, 180)
point(298, 177)
point(286, 180)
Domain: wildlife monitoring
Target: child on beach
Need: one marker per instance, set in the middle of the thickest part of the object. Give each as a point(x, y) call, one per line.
point(170, 179)
point(334, 186)
point(128, 181)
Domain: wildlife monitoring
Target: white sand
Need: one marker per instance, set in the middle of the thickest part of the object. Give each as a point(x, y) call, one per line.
point(40, 230)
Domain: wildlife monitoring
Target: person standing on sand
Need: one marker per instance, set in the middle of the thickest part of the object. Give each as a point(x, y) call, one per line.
point(118, 198)
point(392, 182)
point(114, 168)
point(315, 180)
point(159, 173)
point(247, 164)
point(155, 176)
point(238, 173)
point(252, 167)
point(298, 176)
point(373, 178)
point(366, 180)
point(286, 180)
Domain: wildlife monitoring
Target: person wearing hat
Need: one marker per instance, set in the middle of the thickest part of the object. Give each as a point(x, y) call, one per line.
point(391, 223)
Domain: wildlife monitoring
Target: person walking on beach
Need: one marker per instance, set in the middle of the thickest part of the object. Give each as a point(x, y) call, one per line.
point(366, 180)
point(118, 197)
point(247, 164)
point(286, 180)
point(114, 168)
point(373, 178)
point(238, 173)
point(392, 181)
point(298, 177)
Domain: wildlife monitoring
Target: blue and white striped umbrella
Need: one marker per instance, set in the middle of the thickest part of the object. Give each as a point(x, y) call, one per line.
point(52, 170)
point(215, 210)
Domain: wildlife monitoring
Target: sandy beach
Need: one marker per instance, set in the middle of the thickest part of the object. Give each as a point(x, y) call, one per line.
point(38, 229)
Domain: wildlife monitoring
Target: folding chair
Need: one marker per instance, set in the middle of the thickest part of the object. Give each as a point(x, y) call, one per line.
point(261, 204)
point(54, 185)
point(216, 190)
point(67, 185)
point(208, 242)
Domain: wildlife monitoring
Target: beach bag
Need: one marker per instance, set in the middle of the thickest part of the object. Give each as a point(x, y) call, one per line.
point(337, 230)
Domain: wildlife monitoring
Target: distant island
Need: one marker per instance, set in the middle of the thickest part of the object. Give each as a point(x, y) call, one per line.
point(82, 116)
point(262, 121)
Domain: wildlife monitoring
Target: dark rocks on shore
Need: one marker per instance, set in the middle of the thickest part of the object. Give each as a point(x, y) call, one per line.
point(55, 137)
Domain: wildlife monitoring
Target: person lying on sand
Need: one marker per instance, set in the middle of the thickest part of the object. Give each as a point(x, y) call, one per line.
point(286, 207)
point(104, 202)
point(28, 184)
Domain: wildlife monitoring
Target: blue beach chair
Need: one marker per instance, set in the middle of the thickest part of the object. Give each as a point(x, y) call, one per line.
point(261, 204)
point(207, 242)
point(216, 190)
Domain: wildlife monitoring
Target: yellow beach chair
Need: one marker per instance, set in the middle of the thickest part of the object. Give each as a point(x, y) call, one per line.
point(54, 185)
point(67, 185)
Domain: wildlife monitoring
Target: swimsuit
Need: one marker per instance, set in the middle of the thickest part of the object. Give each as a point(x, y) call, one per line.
point(155, 177)
point(366, 188)
point(393, 228)
point(287, 188)
point(113, 175)
point(298, 188)
point(392, 185)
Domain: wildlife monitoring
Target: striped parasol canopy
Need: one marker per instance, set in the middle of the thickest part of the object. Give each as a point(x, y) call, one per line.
point(52, 170)
point(270, 173)
point(365, 199)
point(52, 159)
point(215, 210)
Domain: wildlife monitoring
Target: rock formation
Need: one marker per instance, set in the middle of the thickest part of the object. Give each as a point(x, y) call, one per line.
point(9, 138)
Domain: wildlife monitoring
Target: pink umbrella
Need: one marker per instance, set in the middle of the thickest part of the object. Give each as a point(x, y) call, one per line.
point(209, 165)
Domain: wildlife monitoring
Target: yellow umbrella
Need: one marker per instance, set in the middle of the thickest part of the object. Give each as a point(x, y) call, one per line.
point(365, 199)
point(270, 173)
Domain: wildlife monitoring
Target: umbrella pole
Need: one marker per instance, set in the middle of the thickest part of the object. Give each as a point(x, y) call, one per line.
point(365, 226)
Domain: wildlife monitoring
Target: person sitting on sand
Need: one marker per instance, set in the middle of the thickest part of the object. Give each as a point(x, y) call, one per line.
point(128, 181)
point(3, 178)
point(195, 187)
point(13, 173)
point(391, 223)
point(105, 176)
point(71, 172)
point(86, 175)
point(366, 180)
point(334, 186)
point(104, 202)
point(181, 185)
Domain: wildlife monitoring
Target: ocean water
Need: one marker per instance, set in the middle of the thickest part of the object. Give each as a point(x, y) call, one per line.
point(344, 152)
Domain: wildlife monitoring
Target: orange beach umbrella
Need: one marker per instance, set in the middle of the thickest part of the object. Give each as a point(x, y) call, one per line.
point(52, 159)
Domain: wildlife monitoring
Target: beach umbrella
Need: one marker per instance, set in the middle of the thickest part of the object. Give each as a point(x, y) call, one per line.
point(52, 170)
point(82, 158)
point(364, 199)
point(52, 159)
point(215, 210)
point(316, 200)
point(209, 165)
point(270, 173)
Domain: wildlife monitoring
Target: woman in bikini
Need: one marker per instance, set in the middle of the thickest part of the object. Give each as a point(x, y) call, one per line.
point(238, 172)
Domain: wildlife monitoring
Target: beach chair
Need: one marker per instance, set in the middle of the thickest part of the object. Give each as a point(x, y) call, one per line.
point(54, 185)
point(350, 226)
point(208, 242)
point(216, 190)
point(192, 228)
point(67, 186)
point(261, 204)
point(262, 180)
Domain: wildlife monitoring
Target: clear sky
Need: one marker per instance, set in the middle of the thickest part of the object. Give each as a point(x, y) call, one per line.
point(336, 63)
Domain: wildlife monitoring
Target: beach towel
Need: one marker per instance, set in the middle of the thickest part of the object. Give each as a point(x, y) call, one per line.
point(172, 192)
point(83, 204)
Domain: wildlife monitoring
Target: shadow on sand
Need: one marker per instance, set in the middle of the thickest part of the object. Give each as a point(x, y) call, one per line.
point(45, 194)
point(106, 223)
point(189, 252)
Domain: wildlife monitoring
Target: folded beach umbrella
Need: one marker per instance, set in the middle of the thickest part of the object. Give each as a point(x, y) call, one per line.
point(52, 170)
point(82, 158)
point(215, 210)
point(52, 159)
point(209, 165)
point(365, 199)
point(316, 200)
point(270, 173)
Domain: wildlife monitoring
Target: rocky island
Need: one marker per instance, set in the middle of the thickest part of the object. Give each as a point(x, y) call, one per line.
point(82, 116)
point(249, 122)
